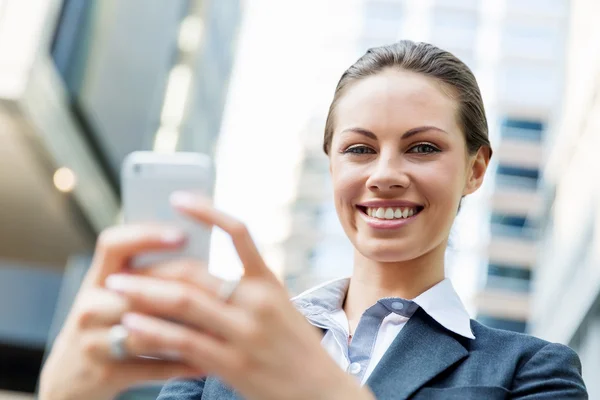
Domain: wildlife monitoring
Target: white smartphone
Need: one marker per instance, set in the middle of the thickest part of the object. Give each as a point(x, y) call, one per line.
point(147, 181)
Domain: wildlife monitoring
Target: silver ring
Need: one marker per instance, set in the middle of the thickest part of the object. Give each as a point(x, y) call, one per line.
point(117, 336)
point(227, 288)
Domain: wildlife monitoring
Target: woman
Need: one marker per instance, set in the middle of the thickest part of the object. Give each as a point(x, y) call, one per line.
point(407, 139)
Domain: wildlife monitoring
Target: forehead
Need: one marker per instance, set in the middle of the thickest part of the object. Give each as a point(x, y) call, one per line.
point(396, 100)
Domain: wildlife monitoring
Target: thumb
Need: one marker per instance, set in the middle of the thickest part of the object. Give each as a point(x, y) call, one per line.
point(117, 245)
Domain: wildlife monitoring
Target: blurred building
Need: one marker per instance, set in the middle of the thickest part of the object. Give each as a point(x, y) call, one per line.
point(279, 96)
point(529, 42)
point(566, 289)
point(82, 84)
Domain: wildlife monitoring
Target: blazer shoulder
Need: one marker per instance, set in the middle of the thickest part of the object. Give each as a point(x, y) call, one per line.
point(486, 334)
point(520, 346)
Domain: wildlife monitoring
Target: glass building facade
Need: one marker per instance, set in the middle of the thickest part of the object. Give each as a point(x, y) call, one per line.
point(99, 75)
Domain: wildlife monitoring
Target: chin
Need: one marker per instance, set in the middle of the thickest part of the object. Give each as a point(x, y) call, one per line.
point(390, 251)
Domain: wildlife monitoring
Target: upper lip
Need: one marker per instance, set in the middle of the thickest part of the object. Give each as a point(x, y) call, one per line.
point(389, 203)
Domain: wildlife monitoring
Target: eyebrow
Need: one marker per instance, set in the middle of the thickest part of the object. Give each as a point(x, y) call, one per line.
point(405, 135)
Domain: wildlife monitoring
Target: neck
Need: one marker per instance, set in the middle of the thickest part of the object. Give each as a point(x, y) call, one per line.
point(372, 280)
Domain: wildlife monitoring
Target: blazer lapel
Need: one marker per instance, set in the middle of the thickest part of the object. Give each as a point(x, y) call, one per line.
point(422, 350)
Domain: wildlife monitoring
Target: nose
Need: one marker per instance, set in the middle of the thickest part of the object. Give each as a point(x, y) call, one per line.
point(389, 174)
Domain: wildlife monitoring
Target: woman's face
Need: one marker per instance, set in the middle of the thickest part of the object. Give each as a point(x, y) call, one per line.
point(399, 165)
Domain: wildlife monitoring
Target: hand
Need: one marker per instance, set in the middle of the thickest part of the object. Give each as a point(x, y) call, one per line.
point(79, 365)
point(256, 341)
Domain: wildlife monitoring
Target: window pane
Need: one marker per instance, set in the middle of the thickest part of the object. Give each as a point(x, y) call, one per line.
point(507, 271)
point(516, 221)
point(508, 284)
point(500, 323)
point(523, 124)
point(511, 226)
point(518, 172)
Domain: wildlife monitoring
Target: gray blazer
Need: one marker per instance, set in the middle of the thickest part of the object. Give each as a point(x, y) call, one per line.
point(426, 361)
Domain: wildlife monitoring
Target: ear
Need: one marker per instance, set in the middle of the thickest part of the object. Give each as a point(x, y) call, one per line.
point(476, 170)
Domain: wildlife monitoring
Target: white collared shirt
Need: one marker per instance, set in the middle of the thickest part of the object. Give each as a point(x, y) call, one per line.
point(322, 306)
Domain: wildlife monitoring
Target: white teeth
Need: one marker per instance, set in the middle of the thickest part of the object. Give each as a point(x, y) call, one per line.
point(391, 213)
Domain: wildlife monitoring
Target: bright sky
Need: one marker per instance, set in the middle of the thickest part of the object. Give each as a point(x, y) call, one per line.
point(286, 72)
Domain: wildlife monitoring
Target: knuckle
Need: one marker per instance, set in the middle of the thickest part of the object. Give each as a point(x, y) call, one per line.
point(262, 302)
point(123, 304)
point(251, 331)
point(240, 364)
point(98, 306)
point(89, 346)
point(188, 270)
point(156, 341)
point(183, 300)
point(84, 317)
point(139, 344)
point(185, 344)
point(267, 313)
point(253, 289)
point(105, 374)
point(105, 239)
point(239, 229)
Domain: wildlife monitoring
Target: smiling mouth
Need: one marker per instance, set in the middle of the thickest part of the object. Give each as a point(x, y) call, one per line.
point(390, 213)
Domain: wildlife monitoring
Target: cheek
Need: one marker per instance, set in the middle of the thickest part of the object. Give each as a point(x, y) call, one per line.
point(443, 183)
point(348, 184)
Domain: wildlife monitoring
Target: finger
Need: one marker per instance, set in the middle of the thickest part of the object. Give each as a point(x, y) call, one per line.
point(178, 301)
point(188, 271)
point(196, 349)
point(200, 209)
point(96, 345)
point(100, 307)
point(118, 244)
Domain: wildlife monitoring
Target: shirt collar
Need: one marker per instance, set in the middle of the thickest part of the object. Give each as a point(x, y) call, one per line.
point(440, 302)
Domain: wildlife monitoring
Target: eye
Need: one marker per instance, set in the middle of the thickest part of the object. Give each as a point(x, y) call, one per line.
point(359, 149)
point(424, 148)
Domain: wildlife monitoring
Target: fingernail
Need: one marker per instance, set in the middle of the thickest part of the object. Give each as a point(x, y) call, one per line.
point(183, 199)
point(172, 236)
point(135, 322)
point(119, 283)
